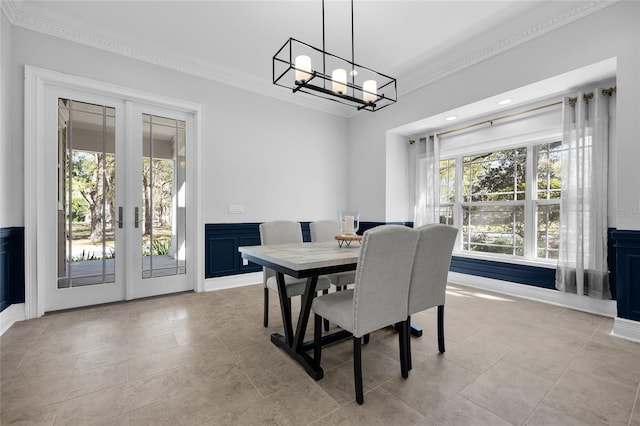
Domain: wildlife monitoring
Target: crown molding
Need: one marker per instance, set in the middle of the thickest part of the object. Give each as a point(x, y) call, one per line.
point(580, 11)
point(263, 86)
point(245, 82)
point(8, 7)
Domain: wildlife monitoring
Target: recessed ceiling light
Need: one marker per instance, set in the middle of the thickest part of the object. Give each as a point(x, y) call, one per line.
point(451, 118)
point(505, 101)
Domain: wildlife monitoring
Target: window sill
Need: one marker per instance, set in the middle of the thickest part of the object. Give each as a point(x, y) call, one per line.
point(507, 259)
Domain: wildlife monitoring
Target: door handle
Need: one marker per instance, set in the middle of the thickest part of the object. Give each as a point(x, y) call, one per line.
point(119, 221)
point(136, 217)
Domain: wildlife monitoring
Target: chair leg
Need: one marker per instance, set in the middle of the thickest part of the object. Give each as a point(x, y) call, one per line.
point(365, 339)
point(317, 338)
point(402, 345)
point(407, 341)
point(357, 368)
point(326, 321)
point(265, 321)
point(441, 328)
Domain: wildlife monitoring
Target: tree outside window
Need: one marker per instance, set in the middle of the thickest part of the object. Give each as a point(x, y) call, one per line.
point(495, 203)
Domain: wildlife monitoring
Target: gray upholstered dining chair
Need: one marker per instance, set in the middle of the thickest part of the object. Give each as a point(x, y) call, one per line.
point(326, 230)
point(429, 276)
point(283, 232)
point(379, 297)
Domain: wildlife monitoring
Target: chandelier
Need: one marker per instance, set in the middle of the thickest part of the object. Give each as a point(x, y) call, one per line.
point(303, 68)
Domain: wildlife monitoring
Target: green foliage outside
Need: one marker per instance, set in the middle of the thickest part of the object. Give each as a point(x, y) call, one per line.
point(500, 176)
point(93, 207)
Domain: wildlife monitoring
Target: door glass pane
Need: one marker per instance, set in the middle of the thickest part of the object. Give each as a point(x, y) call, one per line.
point(163, 217)
point(86, 194)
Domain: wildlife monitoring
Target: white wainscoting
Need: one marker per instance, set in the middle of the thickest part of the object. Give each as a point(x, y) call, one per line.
point(232, 281)
point(626, 329)
point(606, 308)
point(10, 315)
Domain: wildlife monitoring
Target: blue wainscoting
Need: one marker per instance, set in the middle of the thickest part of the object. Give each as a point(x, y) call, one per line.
point(523, 274)
point(526, 274)
point(222, 257)
point(364, 226)
point(223, 239)
point(11, 266)
point(221, 248)
point(627, 248)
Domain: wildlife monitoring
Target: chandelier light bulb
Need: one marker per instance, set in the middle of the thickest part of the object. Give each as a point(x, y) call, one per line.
point(339, 84)
point(369, 91)
point(303, 68)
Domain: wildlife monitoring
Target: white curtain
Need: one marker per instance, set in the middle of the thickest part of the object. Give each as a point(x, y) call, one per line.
point(582, 260)
point(427, 154)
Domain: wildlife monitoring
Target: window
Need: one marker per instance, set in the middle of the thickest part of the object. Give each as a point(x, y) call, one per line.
point(447, 190)
point(493, 202)
point(548, 200)
point(488, 197)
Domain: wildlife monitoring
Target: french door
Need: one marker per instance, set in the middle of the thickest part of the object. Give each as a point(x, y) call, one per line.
point(116, 204)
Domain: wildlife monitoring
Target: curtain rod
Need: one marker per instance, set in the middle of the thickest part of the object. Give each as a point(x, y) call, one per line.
point(610, 91)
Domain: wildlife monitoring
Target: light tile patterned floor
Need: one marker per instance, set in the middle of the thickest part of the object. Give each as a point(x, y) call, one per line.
point(205, 359)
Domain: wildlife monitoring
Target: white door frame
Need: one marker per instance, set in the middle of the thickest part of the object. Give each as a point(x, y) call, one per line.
point(36, 80)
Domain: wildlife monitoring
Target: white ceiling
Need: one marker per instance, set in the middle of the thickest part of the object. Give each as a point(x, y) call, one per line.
point(234, 41)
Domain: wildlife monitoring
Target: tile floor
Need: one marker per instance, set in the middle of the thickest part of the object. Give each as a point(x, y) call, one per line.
point(205, 359)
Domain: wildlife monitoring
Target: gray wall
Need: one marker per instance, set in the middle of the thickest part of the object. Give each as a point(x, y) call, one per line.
point(611, 32)
point(279, 160)
point(255, 144)
point(9, 214)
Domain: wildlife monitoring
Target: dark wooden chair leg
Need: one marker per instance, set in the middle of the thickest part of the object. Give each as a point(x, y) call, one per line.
point(326, 322)
point(317, 338)
point(357, 368)
point(265, 321)
point(402, 345)
point(441, 328)
point(407, 342)
point(365, 338)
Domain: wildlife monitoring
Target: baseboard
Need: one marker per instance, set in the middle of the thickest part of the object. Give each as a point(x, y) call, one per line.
point(10, 315)
point(626, 329)
point(606, 308)
point(232, 281)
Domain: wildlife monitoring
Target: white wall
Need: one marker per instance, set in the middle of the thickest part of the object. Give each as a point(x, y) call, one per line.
point(611, 32)
point(398, 179)
point(253, 144)
point(9, 216)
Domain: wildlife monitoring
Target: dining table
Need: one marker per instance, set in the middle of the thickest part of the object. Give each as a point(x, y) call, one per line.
point(304, 260)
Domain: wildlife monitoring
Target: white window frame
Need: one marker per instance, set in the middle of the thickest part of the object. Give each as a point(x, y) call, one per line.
point(530, 202)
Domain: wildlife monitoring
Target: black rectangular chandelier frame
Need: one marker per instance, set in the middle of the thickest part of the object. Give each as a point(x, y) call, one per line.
point(283, 59)
point(350, 91)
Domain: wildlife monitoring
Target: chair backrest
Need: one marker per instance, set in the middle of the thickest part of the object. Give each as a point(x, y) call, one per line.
point(431, 266)
point(382, 277)
point(324, 230)
point(279, 232)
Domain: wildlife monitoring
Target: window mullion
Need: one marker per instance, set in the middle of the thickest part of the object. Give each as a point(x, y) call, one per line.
point(457, 200)
point(530, 203)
